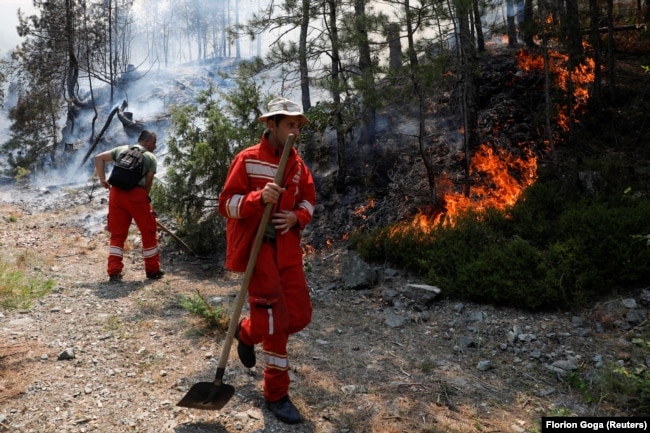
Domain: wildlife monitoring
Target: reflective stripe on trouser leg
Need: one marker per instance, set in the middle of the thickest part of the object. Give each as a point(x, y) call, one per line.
point(145, 219)
point(276, 367)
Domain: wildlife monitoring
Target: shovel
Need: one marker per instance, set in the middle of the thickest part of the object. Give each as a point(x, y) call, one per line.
point(215, 395)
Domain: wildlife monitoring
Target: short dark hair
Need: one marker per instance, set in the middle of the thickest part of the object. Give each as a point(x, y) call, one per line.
point(146, 135)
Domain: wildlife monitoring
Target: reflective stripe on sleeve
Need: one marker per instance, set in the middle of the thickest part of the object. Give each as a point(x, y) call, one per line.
point(234, 205)
point(307, 206)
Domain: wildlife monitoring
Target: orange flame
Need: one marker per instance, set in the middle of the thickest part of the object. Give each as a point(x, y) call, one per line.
point(498, 176)
point(581, 76)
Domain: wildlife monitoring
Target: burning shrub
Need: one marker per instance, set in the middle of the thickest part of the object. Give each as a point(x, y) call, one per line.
point(553, 249)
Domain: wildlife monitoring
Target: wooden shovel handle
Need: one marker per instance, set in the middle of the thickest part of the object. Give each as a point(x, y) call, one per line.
point(239, 302)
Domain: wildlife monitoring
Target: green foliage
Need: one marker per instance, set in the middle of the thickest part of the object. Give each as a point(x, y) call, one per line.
point(29, 145)
point(577, 382)
point(630, 388)
point(17, 288)
point(203, 142)
point(196, 304)
point(555, 249)
point(625, 385)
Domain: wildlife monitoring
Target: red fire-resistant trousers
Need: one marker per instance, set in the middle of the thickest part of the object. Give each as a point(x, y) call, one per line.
point(272, 324)
point(123, 207)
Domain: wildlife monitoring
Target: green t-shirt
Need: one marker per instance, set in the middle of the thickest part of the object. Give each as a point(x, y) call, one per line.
point(150, 162)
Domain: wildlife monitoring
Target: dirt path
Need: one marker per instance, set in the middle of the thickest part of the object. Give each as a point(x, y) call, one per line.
point(136, 352)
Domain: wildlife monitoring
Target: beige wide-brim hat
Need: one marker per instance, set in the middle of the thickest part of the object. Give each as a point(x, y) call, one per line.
point(286, 107)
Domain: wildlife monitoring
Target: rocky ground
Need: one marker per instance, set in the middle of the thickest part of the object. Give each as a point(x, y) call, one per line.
point(94, 356)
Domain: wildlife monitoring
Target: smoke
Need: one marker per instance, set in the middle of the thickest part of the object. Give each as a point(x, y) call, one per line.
point(148, 90)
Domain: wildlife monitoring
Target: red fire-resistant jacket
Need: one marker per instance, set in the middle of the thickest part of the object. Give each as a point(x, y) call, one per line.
point(240, 202)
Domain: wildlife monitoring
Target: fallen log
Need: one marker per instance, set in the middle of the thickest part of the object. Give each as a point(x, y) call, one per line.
point(180, 241)
point(132, 127)
point(639, 27)
point(101, 133)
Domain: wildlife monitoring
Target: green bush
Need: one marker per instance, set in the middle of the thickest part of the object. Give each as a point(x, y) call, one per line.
point(18, 288)
point(556, 248)
point(202, 143)
point(215, 318)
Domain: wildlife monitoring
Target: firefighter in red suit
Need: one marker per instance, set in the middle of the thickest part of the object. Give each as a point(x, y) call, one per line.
point(278, 295)
point(125, 206)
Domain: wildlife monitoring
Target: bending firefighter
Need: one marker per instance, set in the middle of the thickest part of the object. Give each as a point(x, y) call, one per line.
point(278, 295)
point(126, 205)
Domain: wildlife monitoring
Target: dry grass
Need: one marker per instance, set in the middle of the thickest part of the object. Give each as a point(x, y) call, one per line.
point(13, 374)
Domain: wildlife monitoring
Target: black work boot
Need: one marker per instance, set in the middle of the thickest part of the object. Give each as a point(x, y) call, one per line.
point(245, 352)
point(155, 275)
point(284, 410)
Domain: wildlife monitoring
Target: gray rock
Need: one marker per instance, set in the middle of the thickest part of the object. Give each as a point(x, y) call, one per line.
point(577, 321)
point(391, 272)
point(566, 365)
point(468, 342)
point(526, 337)
point(476, 316)
point(644, 297)
point(388, 295)
point(393, 320)
point(484, 365)
point(355, 273)
point(423, 293)
point(636, 317)
point(629, 303)
point(66, 354)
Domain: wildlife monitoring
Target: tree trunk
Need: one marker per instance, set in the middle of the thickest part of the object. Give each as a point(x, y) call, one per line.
point(512, 28)
point(419, 94)
point(412, 54)
point(336, 97)
point(548, 102)
point(367, 87)
point(528, 25)
point(611, 57)
point(571, 28)
point(302, 53)
point(480, 39)
point(394, 47)
point(468, 103)
point(594, 36)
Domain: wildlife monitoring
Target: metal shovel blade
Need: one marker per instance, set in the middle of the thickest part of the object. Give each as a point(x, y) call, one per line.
point(207, 396)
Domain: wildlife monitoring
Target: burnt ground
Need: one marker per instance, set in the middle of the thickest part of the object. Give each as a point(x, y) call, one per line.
point(461, 367)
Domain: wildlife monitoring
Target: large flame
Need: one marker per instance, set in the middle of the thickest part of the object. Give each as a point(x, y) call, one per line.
point(499, 176)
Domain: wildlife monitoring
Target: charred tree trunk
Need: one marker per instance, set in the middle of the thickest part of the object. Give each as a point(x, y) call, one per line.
point(132, 127)
point(528, 26)
point(369, 113)
point(512, 27)
point(611, 58)
point(480, 39)
point(101, 133)
point(468, 102)
point(594, 35)
point(571, 30)
point(548, 101)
